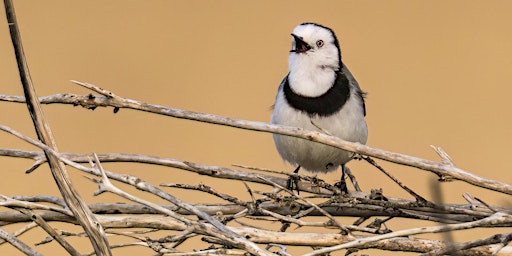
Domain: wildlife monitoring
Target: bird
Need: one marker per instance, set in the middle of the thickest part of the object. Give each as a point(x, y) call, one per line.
point(319, 93)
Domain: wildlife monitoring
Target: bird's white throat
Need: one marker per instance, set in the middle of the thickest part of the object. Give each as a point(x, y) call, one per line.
point(308, 78)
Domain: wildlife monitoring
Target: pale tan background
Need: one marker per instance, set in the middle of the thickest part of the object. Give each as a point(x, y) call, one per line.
point(436, 73)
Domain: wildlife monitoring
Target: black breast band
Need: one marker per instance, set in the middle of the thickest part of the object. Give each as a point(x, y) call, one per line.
point(324, 105)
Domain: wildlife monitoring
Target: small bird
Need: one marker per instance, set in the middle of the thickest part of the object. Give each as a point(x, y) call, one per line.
point(320, 94)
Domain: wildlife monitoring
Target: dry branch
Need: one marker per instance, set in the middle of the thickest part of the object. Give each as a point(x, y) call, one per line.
point(442, 169)
point(71, 196)
point(18, 243)
point(357, 204)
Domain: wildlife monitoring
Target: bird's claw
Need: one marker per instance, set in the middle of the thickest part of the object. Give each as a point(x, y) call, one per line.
point(293, 183)
point(342, 185)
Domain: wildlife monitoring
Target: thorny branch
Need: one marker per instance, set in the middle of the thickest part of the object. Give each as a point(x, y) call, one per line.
point(280, 205)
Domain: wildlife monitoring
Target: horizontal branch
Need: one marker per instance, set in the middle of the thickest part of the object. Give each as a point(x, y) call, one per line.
point(159, 222)
point(357, 205)
point(491, 220)
point(443, 169)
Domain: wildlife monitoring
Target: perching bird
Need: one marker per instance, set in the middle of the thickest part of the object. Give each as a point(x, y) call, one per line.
point(320, 94)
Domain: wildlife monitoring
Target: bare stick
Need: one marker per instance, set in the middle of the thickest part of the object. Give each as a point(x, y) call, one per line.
point(70, 195)
point(419, 198)
point(493, 219)
point(24, 229)
point(454, 249)
point(18, 243)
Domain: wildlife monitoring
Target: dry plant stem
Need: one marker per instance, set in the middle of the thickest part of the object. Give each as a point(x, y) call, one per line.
point(454, 249)
point(19, 232)
point(419, 198)
point(50, 230)
point(14, 241)
point(70, 195)
point(352, 179)
point(13, 203)
point(489, 221)
point(208, 190)
point(442, 168)
point(225, 233)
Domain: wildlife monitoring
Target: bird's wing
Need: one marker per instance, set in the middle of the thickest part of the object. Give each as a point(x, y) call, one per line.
point(354, 83)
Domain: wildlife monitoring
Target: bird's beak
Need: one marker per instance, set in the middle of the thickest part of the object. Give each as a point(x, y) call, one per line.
point(300, 45)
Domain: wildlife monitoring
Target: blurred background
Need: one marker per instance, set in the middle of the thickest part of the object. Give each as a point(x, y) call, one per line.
point(436, 73)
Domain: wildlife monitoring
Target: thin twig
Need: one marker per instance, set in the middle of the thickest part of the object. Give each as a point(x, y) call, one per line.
point(419, 198)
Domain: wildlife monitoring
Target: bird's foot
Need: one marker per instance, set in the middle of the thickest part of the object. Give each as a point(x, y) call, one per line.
point(342, 185)
point(293, 183)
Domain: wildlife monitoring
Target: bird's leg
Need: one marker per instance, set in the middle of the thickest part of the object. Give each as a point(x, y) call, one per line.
point(342, 185)
point(293, 181)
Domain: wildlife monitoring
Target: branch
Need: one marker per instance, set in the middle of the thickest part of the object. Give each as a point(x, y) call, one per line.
point(159, 222)
point(442, 168)
point(18, 243)
point(491, 220)
point(358, 204)
point(73, 200)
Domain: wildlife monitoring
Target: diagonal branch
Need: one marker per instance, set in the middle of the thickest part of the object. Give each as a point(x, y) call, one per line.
point(20, 245)
point(442, 169)
point(73, 200)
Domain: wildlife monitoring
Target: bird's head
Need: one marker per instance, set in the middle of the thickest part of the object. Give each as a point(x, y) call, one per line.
point(314, 46)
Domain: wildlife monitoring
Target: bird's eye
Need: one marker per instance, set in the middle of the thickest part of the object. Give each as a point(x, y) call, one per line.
point(319, 43)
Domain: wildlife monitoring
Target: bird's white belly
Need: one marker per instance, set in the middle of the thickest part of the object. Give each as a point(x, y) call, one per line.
point(347, 124)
